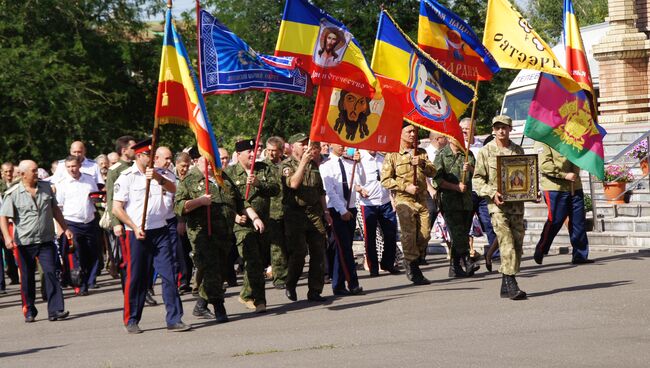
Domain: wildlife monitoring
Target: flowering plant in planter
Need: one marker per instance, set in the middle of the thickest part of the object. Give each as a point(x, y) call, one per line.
point(618, 173)
point(640, 151)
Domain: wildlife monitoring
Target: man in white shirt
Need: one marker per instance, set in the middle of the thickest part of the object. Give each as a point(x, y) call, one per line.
point(146, 244)
point(73, 196)
point(88, 166)
point(337, 176)
point(376, 209)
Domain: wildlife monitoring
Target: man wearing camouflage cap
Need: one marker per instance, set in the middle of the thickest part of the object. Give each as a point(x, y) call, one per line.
point(507, 217)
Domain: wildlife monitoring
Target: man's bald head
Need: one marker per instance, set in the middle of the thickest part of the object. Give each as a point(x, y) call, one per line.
point(77, 148)
point(28, 171)
point(163, 157)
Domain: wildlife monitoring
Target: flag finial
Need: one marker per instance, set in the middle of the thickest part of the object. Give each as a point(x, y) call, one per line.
point(169, 4)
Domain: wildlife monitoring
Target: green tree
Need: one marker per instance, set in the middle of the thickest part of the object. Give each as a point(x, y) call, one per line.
point(546, 16)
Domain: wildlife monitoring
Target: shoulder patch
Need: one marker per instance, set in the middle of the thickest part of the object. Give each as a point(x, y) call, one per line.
point(115, 166)
point(286, 172)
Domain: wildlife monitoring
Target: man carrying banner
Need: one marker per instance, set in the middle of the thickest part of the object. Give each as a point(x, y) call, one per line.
point(404, 173)
point(562, 189)
point(507, 217)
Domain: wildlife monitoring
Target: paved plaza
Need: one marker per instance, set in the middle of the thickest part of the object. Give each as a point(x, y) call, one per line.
point(595, 315)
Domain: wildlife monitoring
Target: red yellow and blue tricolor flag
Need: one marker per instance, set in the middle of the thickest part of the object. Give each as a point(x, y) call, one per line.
point(435, 97)
point(229, 65)
point(324, 48)
point(453, 43)
point(178, 101)
point(576, 57)
point(564, 121)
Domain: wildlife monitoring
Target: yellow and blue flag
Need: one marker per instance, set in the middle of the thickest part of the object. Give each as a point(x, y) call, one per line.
point(178, 101)
point(435, 98)
point(453, 43)
point(325, 48)
point(229, 65)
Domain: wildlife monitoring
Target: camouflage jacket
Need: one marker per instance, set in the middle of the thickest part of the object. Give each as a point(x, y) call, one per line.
point(449, 167)
point(276, 210)
point(397, 174)
point(308, 195)
point(259, 197)
point(485, 176)
point(553, 167)
point(226, 202)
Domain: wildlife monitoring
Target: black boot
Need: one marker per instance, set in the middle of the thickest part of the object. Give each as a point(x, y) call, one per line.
point(220, 313)
point(470, 265)
point(455, 268)
point(407, 268)
point(416, 274)
point(512, 289)
point(504, 289)
point(201, 309)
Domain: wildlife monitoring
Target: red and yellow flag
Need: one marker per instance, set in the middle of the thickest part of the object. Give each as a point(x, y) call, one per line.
point(576, 57)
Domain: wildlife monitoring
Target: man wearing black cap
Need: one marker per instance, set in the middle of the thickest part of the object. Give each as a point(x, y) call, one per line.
point(507, 217)
point(305, 206)
point(147, 245)
point(264, 184)
point(405, 174)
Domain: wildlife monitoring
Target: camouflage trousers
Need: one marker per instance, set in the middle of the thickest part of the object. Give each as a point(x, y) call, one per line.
point(414, 226)
point(275, 230)
point(211, 258)
point(305, 232)
point(251, 247)
point(509, 229)
point(458, 224)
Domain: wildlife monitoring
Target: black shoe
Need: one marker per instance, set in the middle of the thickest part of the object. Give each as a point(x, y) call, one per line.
point(488, 263)
point(539, 254)
point(315, 297)
point(14, 282)
point(3, 291)
point(512, 289)
point(220, 313)
point(94, 286)
point(201, 309)
point(374, 274)
point(356, 291)
point(422, 261)
point(407, 267)
point(280, 286)
point(232, 282)
point(291, 294)
point(149, 300)
point(30, 317)
point(417, 277)
point(393, 270)
point(83, 293)
point(470, 266)
point(577, 261)
point(504, 289)
point(59, 316)
point(179, 327)
point(133, 328)
point(455, 268)
point(341, 292)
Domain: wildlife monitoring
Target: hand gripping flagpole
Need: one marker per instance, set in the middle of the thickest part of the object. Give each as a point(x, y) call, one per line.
point(470, 137)
point(257, 141)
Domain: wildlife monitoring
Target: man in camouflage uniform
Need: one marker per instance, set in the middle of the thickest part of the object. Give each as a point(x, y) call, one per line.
point(507, 217)
point(7, 180)
point(456, 203)
point(275, 226)
point(263, 185)
point(562, 188)
point(211, 251)
point(304, 206)
point(405, 174)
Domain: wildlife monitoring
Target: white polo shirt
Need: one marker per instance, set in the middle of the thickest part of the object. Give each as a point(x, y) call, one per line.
point(168, 198)
point(73, 197)
point(377, 194)
point(130, 188)
point(88, 166)
point(330, 171)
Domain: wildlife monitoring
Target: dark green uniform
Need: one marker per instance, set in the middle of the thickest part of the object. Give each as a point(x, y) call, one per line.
point(456, 206)
point(250, 242)
point(275, 233)
point(210, 252)
point(304, 229)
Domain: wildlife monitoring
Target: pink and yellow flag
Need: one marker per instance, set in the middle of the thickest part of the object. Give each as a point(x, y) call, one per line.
point(178, 101)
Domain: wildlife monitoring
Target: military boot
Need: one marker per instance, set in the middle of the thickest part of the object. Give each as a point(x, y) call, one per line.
point(407, 268)
point(471, 265)
point(512, 289)
point(504, 289)
point(416, 274)
point(455, 268)
point(220, 312)
point(201, 309)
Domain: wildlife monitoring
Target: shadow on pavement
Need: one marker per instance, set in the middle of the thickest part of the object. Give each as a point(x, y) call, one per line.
point(29, 351)
point(599, 285)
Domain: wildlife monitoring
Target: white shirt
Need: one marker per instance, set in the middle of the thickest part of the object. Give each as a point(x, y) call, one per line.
point(73, 197)
point(432, 152)
point(88, 166)
point(377, 194)
point(130, 188)
point(168, 198)
point(330, 171)
point(475, 147)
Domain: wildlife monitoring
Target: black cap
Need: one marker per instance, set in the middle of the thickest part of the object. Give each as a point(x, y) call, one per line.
point(245, 144)
point(142, 146)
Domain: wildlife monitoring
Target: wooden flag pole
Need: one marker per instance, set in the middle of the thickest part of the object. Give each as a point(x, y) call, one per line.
point(152, 153)
point(257, 140)
point(470, 137)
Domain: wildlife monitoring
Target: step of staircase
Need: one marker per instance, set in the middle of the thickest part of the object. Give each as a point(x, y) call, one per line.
point(628, 225)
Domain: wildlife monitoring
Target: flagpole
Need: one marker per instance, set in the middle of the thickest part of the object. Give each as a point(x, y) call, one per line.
point(354, 168)
point(257, 140)
point(207, 162)
point(470, 137)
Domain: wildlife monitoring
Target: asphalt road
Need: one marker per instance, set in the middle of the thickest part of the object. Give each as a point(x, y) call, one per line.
point(593, 315)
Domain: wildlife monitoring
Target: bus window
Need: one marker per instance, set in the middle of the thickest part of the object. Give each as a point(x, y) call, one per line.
point(516, 105)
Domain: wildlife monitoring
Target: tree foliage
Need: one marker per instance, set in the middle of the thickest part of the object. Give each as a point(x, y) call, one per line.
point(546, 16)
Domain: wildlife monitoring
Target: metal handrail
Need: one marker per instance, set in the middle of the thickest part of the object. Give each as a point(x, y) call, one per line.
point(646, 136)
